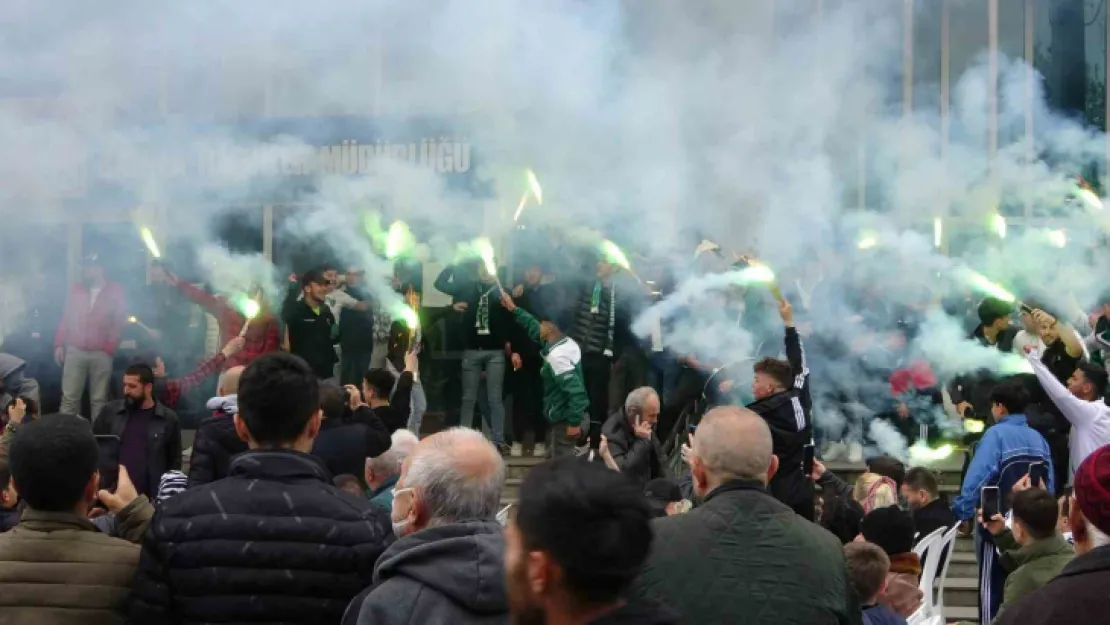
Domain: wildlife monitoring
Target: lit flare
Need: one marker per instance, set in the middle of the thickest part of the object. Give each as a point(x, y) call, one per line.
point(148, 240)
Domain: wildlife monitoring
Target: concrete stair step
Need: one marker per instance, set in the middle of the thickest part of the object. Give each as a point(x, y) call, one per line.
point(963, 565)
point(961, 613)
point(961, 592)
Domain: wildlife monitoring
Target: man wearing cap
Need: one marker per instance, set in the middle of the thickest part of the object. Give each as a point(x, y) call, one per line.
point(88, 335)
point(1078, 594)
point(310, 327)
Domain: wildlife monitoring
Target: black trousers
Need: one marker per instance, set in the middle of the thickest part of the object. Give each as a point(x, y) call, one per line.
point(528, 404)
point(597, 369)
point(687, 389)
point(353, 365)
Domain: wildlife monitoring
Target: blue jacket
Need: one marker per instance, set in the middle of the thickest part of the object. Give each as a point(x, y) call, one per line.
point(1002, 458)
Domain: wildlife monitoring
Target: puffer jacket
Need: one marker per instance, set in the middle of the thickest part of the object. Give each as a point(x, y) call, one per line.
point(216, 442)
point(742, 552)
point(639, 459)
point(272, 542)
point(57, 568)
point(447, 575)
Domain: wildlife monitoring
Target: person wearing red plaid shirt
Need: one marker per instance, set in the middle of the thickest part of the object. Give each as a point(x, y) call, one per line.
point(262, 334)
point(169, 392)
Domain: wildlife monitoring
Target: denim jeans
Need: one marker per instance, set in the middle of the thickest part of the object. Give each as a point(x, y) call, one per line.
point(493, 362)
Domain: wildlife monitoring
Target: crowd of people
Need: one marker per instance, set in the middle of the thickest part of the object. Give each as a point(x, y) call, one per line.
point(670, 495)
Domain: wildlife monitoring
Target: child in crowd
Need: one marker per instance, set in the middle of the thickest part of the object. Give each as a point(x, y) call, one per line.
point(868, 566)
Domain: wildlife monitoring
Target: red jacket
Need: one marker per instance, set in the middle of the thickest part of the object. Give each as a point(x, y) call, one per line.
point(918, 376)
point(262, 334)
point(95, 329)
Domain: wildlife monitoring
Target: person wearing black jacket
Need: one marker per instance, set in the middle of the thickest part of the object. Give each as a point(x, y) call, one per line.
point(971, 393)
point(536, 298)
point(630, 433)
point(601, 329)
point(391, 398)
point(487, 334)
point(349, 433)
point(782, 396)
point(274, 541)
point(149, 432)
point(356, 334)
point(310, 327)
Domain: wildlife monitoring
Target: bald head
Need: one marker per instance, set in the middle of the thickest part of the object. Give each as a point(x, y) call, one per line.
point(229, 382)
point(458, 474)
point(733, 443)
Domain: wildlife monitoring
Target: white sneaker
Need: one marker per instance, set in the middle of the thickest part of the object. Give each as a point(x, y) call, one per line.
point(517, 450)
point(540, 451)
point(855, 452)
point(833, 451)
point(187, 453)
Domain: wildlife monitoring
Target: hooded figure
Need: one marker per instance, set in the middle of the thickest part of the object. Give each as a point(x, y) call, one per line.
point(447, 575)
point(12, 381)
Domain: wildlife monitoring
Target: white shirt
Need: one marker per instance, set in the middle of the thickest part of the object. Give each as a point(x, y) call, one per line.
point(1090, 420)
point(94, 292)
point(337, 300)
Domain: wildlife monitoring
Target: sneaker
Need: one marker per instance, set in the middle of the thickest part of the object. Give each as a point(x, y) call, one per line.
point(504, 449)
point(187, 453)
point(855, 452)
point(517, 450)
point(581, 450)
point(540, 451)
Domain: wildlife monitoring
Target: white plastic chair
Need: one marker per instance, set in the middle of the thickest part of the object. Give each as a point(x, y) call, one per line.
point(947, 544)
point(928, 551)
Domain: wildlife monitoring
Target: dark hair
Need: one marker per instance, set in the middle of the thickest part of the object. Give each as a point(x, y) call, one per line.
point(868, 566)
point(5, 476)
point(1037, 511)
point(888, 466)
point(326, 267)
point(144, 372)
point(920, 478)
point(992, 309)
point(777, 369)
point(890, 528)
point(332, 400)
point(1011, 395)
point(593, 522)
point(1094, 374)
point(51, 461)
point(381, 381)
point(313, 276)
point(278, 394)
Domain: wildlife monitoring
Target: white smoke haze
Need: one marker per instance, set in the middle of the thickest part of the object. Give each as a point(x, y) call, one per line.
point(648, 123)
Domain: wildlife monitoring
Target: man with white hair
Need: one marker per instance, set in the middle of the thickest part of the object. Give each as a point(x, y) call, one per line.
point(742, 552)
point(447, 566)
point(630, 433)
point(1078, 594)
point(383, 471)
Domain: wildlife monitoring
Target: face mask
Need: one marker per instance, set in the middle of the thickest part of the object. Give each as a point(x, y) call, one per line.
point(399, 526)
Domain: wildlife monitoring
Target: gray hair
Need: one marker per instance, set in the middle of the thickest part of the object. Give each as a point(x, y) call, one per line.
point(390, 461)
point(459, 474)
point(734, 443)
point(638, 398)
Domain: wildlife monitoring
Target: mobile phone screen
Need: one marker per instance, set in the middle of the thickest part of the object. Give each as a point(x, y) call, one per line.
point(990, 501)
point(807, 462)
point(108, 463)
point(1038, 472)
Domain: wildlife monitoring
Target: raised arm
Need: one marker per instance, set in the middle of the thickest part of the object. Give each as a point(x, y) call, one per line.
point(1077, 411)
point(795, 355)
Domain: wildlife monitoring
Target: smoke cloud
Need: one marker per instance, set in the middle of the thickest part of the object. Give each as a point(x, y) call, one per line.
point(750, 123)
